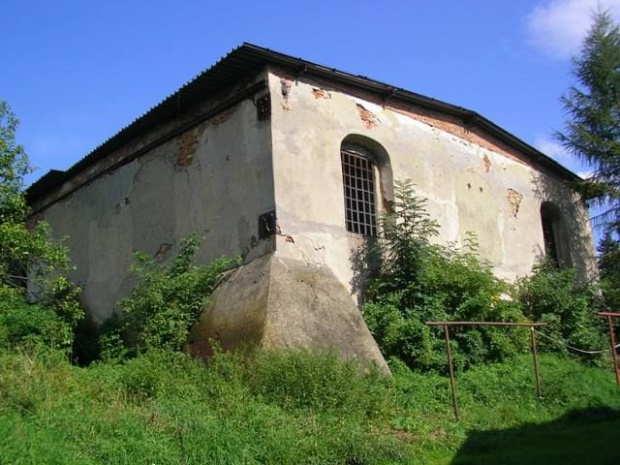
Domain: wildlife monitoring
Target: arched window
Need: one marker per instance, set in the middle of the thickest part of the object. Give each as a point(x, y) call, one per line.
point(554, 235)
point(367, 183)
point(358, 178)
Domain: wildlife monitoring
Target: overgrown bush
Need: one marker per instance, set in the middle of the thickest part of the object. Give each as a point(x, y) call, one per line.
point(27, 324)
point(420, 281)
point(278, 407)
point(164, 304)
point(555, 296)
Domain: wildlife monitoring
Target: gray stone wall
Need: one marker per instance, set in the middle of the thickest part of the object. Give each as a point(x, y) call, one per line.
point(215, 179)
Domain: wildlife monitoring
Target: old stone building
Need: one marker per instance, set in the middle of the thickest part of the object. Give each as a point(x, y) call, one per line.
point(289, 163)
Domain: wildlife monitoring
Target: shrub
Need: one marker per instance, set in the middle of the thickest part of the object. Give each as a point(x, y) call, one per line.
point(166, 302)
point(556, 297)
point(419, 281)
point(29, 324)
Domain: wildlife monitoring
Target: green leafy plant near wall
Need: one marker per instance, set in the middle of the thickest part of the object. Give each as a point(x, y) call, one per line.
point(419, 281)
point(30, 260)
point(165, 303)
point(556, 296)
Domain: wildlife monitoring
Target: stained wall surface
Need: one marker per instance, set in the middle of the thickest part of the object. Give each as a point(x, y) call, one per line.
point(472, 181)
point(215, 179)
point(220, 176)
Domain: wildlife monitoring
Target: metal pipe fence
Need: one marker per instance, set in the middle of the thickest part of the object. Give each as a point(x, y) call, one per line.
point(446, 325)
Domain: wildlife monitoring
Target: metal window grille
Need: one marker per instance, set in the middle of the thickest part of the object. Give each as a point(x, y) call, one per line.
point(359, 193)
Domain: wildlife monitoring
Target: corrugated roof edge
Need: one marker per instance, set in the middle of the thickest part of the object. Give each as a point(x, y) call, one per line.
point(246, 59)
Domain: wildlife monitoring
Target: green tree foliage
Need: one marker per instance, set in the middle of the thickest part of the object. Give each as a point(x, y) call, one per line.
point(421, 281)
point(593, 108)
point(29, 259)
point(166, 301)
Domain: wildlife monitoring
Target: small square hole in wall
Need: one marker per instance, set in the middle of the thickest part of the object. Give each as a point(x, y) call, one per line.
point(267, 224)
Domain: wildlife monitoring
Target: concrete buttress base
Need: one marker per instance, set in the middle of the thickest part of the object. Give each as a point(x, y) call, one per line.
point(280, 302)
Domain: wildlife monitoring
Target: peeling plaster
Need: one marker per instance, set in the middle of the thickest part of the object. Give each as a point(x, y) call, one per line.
point(487, 163)
point(515, 199)
point(285, 90)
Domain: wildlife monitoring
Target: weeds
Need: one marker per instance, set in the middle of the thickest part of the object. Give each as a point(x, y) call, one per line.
point(285, 407)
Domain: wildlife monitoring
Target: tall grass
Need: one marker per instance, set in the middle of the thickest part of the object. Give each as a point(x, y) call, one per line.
point(276, 407)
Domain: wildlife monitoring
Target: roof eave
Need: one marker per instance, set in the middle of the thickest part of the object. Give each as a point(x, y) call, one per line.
point(245, 60)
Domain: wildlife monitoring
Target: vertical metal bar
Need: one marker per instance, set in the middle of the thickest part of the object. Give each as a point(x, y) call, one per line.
point(455, 404)
point(613, 349)
point(535, 355)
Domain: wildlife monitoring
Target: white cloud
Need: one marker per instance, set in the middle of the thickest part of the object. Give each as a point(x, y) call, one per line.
point(559, 26)
point(552, 148)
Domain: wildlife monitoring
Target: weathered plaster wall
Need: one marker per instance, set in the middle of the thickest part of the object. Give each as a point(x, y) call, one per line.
point(220, 176)
point(472, 181)
point(215, 179)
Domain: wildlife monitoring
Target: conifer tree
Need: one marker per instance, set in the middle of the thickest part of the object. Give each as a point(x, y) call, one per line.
point(593, 108)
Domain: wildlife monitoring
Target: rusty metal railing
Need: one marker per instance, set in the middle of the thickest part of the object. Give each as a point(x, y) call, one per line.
point(447, 324)
point(612, 339)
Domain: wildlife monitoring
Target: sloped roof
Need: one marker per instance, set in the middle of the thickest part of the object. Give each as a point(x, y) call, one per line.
point(247, 59)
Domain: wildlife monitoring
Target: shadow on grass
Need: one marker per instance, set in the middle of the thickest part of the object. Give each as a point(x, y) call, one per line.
point(586, 436)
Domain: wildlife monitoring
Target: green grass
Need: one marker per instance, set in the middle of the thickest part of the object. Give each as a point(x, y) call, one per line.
point(298, 408)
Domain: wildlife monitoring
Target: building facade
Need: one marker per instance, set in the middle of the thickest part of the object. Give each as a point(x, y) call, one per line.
point(289, 164)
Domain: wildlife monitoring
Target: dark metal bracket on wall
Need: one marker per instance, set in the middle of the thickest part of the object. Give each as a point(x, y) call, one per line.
point(263, 107)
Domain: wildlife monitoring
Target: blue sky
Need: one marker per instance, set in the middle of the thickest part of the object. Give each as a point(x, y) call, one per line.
point(76, 72)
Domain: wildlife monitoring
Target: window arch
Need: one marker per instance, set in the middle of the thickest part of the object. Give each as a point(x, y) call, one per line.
point(367, 183)
point(555, 234)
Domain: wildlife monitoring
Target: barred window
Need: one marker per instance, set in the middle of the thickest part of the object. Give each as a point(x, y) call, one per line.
point(359, 193)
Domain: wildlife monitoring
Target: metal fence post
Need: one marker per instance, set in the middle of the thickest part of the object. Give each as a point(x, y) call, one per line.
point(455, 403)
point(535, 355)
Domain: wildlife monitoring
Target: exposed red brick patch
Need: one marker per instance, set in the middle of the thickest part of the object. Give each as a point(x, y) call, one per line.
point(457, 127)
point(320, 93)
point(368, 118)
point(187, 146)
point(289, 239)
point(487, 163)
